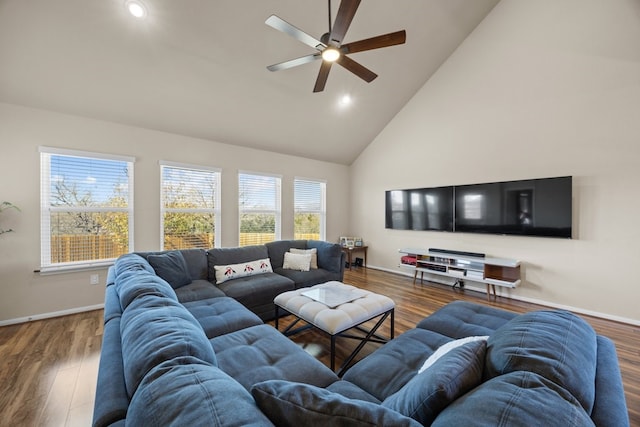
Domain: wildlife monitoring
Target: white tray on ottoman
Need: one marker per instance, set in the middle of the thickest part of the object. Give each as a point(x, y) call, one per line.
point(334, 308)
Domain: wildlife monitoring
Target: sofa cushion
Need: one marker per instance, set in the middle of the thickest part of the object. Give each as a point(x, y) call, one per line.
point(278, 248)
point(243, 269)
point(519, 398)
point(298, 404)
point(461, 319)
point(401, 359)
point(198, 290)
point(556, 344)
point(155, 329)
point(219, 316)
point(305, 279)
point(136, 284)
point(172, 267)
point(300, 262)
point(330, 255)
point(261, 289)
point(131, 262)
point(261, 353)
point(186, 392)
point(450, 376)
point(312, 251)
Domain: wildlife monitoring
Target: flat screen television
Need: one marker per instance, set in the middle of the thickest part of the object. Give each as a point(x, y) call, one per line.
point(420, 209)
point(536, 207)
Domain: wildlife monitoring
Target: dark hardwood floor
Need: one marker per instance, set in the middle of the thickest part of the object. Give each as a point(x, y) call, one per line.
point(49, 367)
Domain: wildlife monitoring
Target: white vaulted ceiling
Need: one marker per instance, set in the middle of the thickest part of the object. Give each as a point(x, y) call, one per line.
point(198, 67)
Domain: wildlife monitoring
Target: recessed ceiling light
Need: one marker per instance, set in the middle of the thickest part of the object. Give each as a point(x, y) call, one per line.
point(136, 8)
point(345, 100)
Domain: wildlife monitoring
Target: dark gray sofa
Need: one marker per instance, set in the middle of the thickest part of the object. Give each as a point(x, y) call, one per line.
point(213, 362)
point(256, 291)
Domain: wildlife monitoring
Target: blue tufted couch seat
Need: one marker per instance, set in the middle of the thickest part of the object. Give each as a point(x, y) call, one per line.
point(213, 362)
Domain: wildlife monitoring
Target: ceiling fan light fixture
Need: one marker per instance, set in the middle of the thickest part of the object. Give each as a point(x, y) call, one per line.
point(136, 8)
point(330, 54)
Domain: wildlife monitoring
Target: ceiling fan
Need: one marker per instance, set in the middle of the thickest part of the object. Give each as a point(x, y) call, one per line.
point(330, 48)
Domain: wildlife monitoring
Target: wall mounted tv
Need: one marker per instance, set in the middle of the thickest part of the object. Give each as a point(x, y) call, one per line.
point(420, 209)
point(535, 207)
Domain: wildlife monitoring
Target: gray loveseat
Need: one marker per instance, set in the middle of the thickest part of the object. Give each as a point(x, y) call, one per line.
point(196, 278)
point(213, 362)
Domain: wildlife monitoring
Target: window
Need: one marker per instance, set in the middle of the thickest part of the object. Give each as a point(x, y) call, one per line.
point(86, 208)
point(190, 210)
point(309, 209)
point(259, 208)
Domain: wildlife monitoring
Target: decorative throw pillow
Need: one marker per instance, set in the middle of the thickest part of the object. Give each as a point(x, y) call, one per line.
point(313, 252)
point(451, 376)
point(172, 267)
point(233, 271)
point(297, 404)
point(301, 262)
point(447, 347)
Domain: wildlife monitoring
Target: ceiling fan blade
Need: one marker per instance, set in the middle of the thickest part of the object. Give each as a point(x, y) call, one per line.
point(385, 40)
point(321, 81)
point(282, 25)
point(359, 70)
point(345, 15)
point(294, 62)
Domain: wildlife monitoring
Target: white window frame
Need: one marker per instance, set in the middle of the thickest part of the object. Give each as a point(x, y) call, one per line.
point(217, 198)
point(323, 204)
point(278, 203)
point(46, 264)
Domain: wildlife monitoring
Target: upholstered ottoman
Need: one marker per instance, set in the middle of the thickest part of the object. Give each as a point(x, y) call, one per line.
point(334, 308)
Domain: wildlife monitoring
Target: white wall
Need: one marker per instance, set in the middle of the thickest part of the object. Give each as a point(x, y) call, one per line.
point(24, 294)
point(541, 88)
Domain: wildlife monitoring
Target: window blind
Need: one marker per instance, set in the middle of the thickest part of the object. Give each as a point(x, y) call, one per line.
point(309, 209)
point(259, 208)
point(86, 208)
point(190, 211)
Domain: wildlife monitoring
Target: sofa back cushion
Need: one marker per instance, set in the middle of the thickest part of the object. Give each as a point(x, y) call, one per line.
point(186, 392)
point(155, 329)
point(555, 344)
point(278, 248)
point(329, 255)
point(135, 278)
point(519, 398)
point(172, 267)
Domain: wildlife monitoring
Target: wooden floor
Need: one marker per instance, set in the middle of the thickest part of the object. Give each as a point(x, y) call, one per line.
point(48, 368)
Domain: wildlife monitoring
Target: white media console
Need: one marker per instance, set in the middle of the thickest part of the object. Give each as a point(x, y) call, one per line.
point(462, 266)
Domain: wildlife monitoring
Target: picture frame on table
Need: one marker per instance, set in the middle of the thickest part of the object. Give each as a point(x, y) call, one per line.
point(343, 241)
point(350, 242)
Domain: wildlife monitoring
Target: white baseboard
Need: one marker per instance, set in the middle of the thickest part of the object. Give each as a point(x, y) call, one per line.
point(50, 315)
point(526, 299)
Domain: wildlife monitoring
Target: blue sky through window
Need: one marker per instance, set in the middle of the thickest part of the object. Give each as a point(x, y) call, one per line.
point(95, 179)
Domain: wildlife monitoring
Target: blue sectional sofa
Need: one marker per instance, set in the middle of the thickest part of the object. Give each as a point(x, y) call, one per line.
point(195, 279)
point(212, 361)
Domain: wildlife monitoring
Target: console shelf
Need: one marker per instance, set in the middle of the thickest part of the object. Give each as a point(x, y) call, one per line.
point(490, 271)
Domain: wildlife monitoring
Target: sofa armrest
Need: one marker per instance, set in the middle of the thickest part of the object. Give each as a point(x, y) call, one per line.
point(112, 401)
point(610, 407)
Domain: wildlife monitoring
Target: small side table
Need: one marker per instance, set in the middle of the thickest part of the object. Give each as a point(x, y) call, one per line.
point(350, 250)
